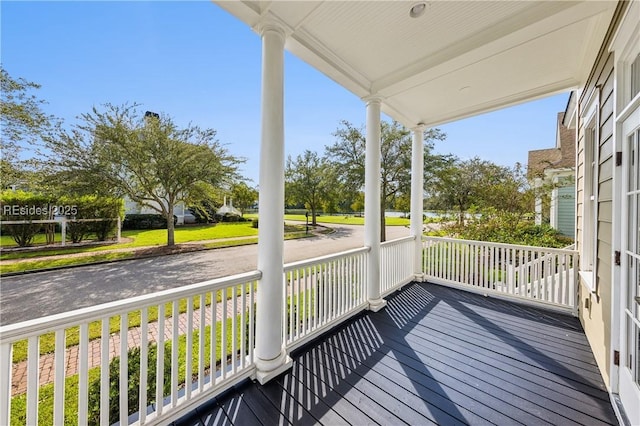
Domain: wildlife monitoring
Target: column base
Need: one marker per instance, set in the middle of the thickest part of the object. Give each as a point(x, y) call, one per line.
point(269, 369)
point(419, 278)
point(377, 304)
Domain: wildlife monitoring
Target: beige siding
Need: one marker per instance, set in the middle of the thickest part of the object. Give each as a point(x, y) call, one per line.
point(596, 314)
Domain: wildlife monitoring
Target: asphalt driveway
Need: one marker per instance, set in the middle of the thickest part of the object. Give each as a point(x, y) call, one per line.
point(30, 296)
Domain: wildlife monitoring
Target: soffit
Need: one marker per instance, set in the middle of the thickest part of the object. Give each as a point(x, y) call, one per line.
point(457, 60)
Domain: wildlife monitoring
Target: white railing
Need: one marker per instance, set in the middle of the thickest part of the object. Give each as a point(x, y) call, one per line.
point(535, 274)
point(192, 342)
point(322, 292)
point(396, 264)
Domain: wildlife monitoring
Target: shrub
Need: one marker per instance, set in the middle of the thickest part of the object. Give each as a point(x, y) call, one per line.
point(93, 207)
point(254, 223)
point(230, 217)
point(508, 228)
point(145, 221)
point(133, 392)
point(26, 206)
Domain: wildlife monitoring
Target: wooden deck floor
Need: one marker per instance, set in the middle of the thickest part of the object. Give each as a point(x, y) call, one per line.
point(435, 355)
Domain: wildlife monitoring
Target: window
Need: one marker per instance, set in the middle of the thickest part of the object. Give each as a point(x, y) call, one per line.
point(589, 241)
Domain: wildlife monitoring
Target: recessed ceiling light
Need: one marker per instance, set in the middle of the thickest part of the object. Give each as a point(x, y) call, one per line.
point(417, 9)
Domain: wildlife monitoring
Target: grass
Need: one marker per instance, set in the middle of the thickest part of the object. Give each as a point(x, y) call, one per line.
point(36, 265)
point(291, 232)
point(145, 238)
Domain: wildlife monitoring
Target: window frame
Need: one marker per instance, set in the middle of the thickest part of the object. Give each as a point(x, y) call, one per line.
point(591, 164)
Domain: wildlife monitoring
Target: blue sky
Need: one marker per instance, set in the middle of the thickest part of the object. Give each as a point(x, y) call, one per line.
point(198, 64)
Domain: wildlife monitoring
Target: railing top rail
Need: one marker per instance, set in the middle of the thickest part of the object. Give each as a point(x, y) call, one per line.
point(22, 330)
point(308, 262)
point(398, 241)
point(502, 245)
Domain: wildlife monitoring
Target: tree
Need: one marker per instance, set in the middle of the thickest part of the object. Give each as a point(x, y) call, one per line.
point(23, 123)
point(305, 181)
point(348, 152)
point(149, 159)
point(243, 196)
point(482, 184)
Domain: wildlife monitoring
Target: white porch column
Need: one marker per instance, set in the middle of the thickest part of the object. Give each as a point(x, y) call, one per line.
point(417, 195)
point(270, 356)
point(372, 203)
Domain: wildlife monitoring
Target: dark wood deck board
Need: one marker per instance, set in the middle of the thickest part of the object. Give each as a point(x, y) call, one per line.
point(433, 355)
point(516, 394)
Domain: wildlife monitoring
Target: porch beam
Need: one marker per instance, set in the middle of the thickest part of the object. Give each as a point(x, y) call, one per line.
point(372, 209)
point(270, 355)
point(417, 196)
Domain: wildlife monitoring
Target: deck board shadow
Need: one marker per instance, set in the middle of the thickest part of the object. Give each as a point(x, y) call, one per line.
point(434, 355)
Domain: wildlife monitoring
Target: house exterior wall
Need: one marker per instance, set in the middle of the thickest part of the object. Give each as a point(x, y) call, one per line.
point(565, 213)
point(595, 298)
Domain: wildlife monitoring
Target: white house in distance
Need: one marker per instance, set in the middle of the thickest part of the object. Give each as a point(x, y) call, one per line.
point(132, 207)
point(553, 169)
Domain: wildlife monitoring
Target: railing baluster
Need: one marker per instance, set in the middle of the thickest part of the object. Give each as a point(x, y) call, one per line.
point(83, 375)
point(224, 321)
point(104, 372)
point(160, 361)
point(297, 298)
point(124, 372)
point(251, 342)
point(214, 336)
point(175, 335)
point(342, 277)
point(144, 362)
point(201, 341)
point(243, 326)
point(305, 312)
point(308, 286)
point(33, 373)
point(59, 372)
point(234, 331)
point(188, 369)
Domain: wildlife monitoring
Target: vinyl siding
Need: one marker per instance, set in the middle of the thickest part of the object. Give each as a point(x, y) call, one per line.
point(596, 315)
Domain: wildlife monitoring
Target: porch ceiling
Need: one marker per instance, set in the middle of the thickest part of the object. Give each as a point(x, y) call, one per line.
point(460, 58)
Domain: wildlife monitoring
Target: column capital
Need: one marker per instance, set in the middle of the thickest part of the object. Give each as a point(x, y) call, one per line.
point(373, 99)
point(271, 25)
point(419, 127)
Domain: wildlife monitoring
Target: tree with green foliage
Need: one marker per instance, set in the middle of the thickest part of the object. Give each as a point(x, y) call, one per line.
point(149, 159)
point(22, 122)
point(306, 181)
point(348, 153)
point(243, 196)
point(483, 185)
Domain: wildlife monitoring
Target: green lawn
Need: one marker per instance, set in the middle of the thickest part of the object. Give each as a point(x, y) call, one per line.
point(227, 235)
point(64, 261)
point(143, 238)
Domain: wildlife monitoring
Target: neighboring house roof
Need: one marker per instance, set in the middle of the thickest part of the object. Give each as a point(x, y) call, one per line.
point(563, 156)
